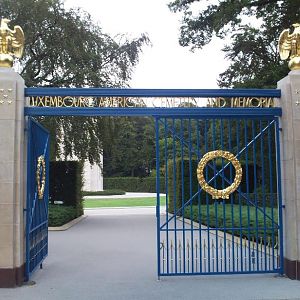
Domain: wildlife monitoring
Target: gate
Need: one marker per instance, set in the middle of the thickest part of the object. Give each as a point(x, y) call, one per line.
point(220, 168)
point(37, 196)
point(223, 195)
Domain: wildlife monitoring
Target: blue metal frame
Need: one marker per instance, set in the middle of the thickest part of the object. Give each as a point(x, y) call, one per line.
point(190, 249)
point(36, 209)
point(128, 92)
point(205, 112)
point(178, 258)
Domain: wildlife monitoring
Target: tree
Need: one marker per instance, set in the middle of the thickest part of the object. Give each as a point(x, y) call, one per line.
point(253, 50)
point(65, 48)
point(132, 151)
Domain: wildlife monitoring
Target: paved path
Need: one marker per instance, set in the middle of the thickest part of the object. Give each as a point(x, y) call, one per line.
point(113, 257)
point(120, 211)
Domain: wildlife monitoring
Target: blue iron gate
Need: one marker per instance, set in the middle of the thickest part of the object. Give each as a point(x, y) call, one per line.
point(221, 169)
point(37, 196)
point(223, 196)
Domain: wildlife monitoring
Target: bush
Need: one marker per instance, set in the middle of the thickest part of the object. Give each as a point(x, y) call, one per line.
point(188, 189)
point(177, 191)
point(258, 198)
point(103, 193)
point(60, 214)
point(66, 184)
point(134, 184)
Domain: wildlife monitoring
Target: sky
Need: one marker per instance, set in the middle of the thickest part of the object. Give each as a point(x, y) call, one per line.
point(166, 64)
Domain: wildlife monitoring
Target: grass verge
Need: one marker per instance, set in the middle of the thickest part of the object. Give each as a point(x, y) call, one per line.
point(122, 202)
point(249, 222)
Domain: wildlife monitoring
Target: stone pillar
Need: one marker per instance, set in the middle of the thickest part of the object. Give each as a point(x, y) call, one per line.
point(290, 174)
point(12, 178)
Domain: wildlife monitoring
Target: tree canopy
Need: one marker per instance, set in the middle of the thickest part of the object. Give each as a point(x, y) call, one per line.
point(132, 151)
point(253, 27)
point(65, 48)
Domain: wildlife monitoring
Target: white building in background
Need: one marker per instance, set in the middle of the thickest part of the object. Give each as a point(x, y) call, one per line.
point(92, 177)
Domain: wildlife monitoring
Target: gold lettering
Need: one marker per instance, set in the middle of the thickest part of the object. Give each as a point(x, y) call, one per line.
point(53, 101)
point(212, 102)
point(247, 102)
point(59, 101)
point(164, 102)
point(271, 102)
point(256, 102)
point(221, 102)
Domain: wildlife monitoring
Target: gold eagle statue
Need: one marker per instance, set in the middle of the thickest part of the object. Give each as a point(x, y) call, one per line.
point(11, 43)
point(289, 46)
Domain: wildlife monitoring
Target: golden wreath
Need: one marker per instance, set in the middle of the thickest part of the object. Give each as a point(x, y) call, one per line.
point(41, 165)
point(216, 194)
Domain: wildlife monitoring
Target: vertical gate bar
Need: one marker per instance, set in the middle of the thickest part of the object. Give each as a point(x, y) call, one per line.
point(28, 202)
point(231, 198)
point(157, 196)
point(279, 195)
point(255, 194)
point(247, 191)
point(167, 191)
point(182, 192)
point(199, 201)
point(174, 193)
point(191, 192)
point(263, 193)
point(271, 191)
point(224, 204)
point(47, 189)
point(207, 199)
point(240, 205)
point(215, 186)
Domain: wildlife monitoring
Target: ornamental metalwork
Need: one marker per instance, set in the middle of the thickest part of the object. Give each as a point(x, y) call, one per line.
point(11, 43)
point(40, 180)
point(224, 193)
point(289, 46)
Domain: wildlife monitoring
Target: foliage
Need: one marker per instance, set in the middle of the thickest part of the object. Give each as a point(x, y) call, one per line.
point(66, 184)
point(103, 193)
point(184, 184)
point(60, 214)
point(234, 216)
point(134, 184)
point(253, 27)
point(123, 202)
point(65, 48)
point(131, 151)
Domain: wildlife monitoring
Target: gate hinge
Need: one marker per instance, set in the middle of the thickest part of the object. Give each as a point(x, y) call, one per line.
point(280, 128)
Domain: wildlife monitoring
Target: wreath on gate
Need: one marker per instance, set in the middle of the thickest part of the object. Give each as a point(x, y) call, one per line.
point(41, 180)
point(216, 194)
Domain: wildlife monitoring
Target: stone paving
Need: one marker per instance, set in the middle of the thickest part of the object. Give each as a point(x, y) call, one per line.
point(114, 257)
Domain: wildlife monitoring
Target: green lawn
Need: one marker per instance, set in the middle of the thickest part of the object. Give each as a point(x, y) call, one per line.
point(122, 202)
point(252, 221)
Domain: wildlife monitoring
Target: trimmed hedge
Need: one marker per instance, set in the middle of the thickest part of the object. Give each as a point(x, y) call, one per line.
point(103, 193)
point(66, 184)
point(60, 214)
point(267, 199)
point(181, 191)
point(185, 191)
point(134, 184)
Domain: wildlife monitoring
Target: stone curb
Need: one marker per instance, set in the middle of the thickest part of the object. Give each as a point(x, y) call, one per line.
point(67, 225)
